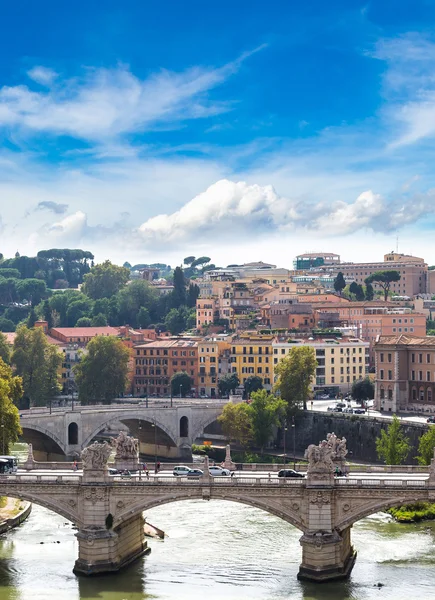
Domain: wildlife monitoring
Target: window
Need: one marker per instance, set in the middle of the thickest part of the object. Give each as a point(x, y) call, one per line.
point(414, 394)
point(390, 394)
point(390, 358)
point(420, 375)
point(427, 375)
point(420, 358)
point(381, 357)
point(428, 358)
point(429, 394)
point(390, 375)
point(381, 373)
point(412, 357)
point(382, 393)
point(421, 395)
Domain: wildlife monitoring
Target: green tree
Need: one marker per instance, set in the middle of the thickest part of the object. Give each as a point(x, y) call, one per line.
point(236, 422)
point(295, 373)
point(357, 290)
point(37, 362)
point(339, 283)
point(138, 294)
point(6, 325)
point(188, 260)
point(83, 322)
point(105, 280)
point(370, 293)
point(47, 313)
point(228, 383)
point(176, 320)
point(101, 374)
point(384, 279)
point(181, 382)
point(252, 384)
point(178, 295)
point(143, 317)
point(363, 389)
point(32, 290)
point(10, 393)
point(32, 318)
point(99, 320)
point(426, 447)
point(5, 350)
point(393, 446)
point(266, 412)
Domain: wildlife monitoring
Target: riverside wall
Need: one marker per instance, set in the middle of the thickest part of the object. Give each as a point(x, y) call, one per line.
point(360, 432)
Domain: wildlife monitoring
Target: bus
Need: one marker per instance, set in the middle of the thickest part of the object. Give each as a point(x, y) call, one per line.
point(8, 464)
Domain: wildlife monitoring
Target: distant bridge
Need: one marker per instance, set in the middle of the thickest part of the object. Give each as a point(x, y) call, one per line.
point(163, 427)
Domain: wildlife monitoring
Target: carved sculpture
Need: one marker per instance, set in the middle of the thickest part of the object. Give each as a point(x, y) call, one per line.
point(321, 458)
point(126, 446)
point(95, 456)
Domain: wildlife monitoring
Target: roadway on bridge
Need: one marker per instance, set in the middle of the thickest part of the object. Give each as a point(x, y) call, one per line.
point(323, 405)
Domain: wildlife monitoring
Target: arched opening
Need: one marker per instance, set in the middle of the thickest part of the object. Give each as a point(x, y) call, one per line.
point(73, 434)
point(45, 446)
point(184, 427)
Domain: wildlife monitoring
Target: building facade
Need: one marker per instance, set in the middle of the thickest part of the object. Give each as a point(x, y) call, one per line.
point(252, 355)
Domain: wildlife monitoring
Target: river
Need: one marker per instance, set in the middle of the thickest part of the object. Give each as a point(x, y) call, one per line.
point(217, 550)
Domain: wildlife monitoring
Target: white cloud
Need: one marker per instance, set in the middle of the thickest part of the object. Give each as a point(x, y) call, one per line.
point(42, 75)
point(109, 102)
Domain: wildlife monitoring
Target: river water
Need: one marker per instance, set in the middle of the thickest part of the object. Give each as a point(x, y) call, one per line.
point(217, 550)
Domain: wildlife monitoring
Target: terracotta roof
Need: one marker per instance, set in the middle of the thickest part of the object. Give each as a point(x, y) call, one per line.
point(169, 344)
point(10, 336)
point(85, 331)
point(405, 340)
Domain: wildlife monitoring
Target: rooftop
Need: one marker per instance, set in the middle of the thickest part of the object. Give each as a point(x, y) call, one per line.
point(405, 340)
point(84, 331)
point(170, 343)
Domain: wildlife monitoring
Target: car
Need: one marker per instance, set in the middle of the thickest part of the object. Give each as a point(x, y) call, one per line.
point(337, 409)
point(113, 471)
point(216, 471)
point(181, 470)
point(195, 473)
point(290, 473)
point(430, 420)
point(330, 408)
point(323, 397)
point(359, 411)
point(341, 404)
point(348, 410)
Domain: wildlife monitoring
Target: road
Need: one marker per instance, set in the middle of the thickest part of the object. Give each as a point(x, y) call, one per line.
point(322, 406)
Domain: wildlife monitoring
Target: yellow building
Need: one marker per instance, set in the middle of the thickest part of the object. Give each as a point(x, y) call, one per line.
point(251, 354)
point(213, 362)
point(340, 361)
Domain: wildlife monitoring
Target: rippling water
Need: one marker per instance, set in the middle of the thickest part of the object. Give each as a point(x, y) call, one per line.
point(217, 550)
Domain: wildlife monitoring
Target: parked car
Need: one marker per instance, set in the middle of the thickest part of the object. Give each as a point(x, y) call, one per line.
point(323, 397)
point(215, 471)
point(430, 420)
point(359, 411)
point(290, 473)
point(337, 409)
point(181, 470)
point(113, 471)
point(348, 410)
point(195, 473)
point(341, 405)
point(330, 408)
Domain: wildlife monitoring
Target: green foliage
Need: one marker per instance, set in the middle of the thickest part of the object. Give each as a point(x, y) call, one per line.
point(138, 294)
point(188, 260)
point(178, 295)
point(295, 372)
point(105, 280)
point(369, 292)
point(393, 446)
point(6, 325)
point(5, 351)
point(384, 279)
point(101, 375)
point(413, 513)
point(252, 384)
point(357, 290)
point(181, 382)
point(236, 422)
point(99, 320)
point(83, 322)
point(228, 384)
point(426, 447)
point(10, 392)
point(339, 283)
point(265, 411)
point(37, 362)
point(179, 319)
point(363, 389)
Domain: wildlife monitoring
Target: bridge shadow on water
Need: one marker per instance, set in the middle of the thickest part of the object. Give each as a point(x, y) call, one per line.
point(128, 583)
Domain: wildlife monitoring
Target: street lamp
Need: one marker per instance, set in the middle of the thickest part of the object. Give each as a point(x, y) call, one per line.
point(3, 436)
point(155, 444)
point(181, 385)
point(285, 433)
point(294, 442)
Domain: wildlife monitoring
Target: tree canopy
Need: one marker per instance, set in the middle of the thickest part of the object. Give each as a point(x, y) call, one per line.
point(393, 446)
point(339, 283)
point(181, 382)
point(426, 447)
point(37, 362)
point(10, 393)
point(228, 383)
point(266, 412)
point(252, 384)
point(105, 280)
point(384, 279)
point(101, 374)
point(236, 422)
point(295, 373)
point(363, 389)
point(5, 351)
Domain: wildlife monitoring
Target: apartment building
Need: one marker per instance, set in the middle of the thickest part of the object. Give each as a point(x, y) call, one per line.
point(251, 354)
point(413, 273)
point(405, 373)
point(340, 361)
point(157, 361)
point(213, 362)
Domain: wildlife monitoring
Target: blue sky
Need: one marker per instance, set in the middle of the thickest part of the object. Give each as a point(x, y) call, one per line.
point(242, 130)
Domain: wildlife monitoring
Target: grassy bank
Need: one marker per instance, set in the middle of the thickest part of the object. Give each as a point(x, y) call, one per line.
point(413, 513)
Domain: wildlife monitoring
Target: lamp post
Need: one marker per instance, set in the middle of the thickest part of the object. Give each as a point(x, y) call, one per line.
point(294, 442)
point(285, 433)
point(155, 445)
point(3, 436)
point(181, 385)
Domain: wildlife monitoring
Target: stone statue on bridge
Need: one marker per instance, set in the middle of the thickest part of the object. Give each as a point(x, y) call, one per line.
point(95, 456)
point(323, 459)
point(126, 446)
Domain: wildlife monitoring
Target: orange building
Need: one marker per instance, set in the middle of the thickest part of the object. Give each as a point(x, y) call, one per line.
point(157, 361)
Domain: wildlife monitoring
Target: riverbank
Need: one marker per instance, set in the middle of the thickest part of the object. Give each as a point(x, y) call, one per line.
point(413, 513)
point(13, 511)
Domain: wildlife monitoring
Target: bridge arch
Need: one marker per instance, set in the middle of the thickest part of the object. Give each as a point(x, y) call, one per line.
point(289, 515)
point(130, 417)
point(49, 502)
point(73, 434)
point(201, 426)
point(373, 506)
point(184, 427)
point(58, 447)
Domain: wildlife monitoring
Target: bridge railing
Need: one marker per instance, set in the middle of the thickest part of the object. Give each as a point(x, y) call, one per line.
point(364, 483)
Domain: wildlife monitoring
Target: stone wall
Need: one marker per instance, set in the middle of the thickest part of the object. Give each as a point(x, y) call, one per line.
point(360, 433)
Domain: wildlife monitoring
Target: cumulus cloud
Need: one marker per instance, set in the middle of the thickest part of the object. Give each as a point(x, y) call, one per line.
point(42, 75)
point(56, 207)
point(228, 208)
point(109, 102)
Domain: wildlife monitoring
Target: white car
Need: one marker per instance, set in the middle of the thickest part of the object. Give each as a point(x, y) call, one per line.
point(218, 471)
point(181, 470)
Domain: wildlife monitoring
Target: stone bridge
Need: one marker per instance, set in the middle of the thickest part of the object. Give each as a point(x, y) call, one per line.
point(161, 429)
point(108, 511)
